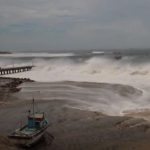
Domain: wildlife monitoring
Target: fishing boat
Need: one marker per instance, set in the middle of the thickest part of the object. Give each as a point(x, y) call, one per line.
point(32, 132)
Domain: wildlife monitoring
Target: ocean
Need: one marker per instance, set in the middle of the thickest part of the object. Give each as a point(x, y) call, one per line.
point(89, 80)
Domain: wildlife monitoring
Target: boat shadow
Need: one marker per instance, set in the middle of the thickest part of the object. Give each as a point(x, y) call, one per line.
point(46, 140)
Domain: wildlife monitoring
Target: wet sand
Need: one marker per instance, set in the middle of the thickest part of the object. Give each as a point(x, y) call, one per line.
point(75, 129)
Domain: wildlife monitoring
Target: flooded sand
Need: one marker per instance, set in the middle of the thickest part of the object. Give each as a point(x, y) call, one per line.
point(74, 127)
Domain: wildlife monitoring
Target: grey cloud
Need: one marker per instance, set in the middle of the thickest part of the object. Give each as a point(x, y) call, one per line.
point(70, 24)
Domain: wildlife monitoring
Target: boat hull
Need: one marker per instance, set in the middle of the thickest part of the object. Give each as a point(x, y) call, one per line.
point(27, 141)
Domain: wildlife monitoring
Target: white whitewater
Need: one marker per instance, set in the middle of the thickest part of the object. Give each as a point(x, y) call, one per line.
point(93, 69)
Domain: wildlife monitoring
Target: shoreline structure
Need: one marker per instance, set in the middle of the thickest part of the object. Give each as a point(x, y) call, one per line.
point(13, 83)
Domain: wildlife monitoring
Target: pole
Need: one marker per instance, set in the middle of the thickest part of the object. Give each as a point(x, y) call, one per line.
point(33, 106)
point(33, 115)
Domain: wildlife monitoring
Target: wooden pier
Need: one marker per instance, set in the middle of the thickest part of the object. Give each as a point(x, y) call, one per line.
point(12, 70)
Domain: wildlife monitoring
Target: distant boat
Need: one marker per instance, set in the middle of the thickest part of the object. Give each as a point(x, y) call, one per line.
point(117, 55)
point(32, 132)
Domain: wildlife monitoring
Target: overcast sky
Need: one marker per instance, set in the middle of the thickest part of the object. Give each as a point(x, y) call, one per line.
point(74, 24)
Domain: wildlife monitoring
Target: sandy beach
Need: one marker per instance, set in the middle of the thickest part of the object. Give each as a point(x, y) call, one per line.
point(76, 129)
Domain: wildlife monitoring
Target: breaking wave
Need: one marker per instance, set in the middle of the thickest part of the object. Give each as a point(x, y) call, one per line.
point(96, 82)
point(91, 69)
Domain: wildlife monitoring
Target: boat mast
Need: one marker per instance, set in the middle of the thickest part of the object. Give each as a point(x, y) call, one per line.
point(33, 106)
